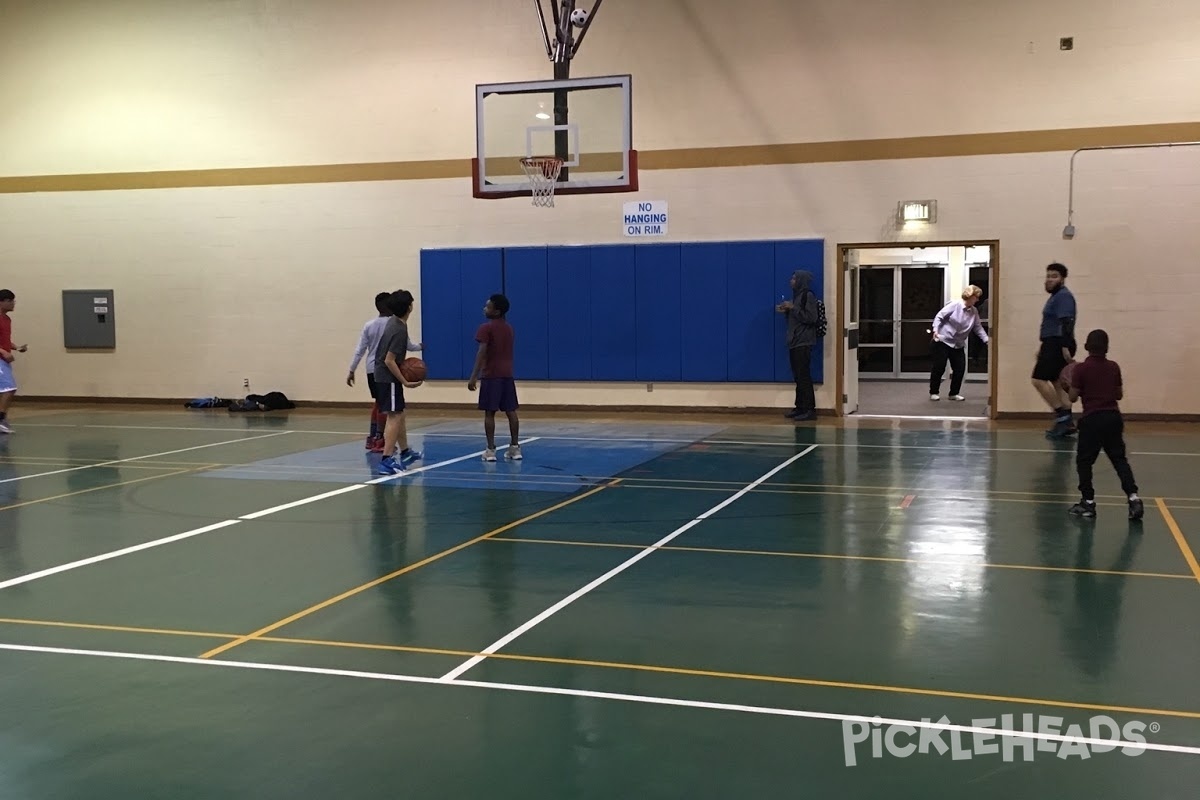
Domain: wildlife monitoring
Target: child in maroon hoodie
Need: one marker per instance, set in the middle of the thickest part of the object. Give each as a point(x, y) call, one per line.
point(1097, 381)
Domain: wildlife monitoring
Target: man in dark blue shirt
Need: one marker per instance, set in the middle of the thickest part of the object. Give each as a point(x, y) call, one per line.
point(1057, 335)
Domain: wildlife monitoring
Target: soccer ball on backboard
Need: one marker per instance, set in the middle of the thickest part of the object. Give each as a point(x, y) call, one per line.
point(579, 16)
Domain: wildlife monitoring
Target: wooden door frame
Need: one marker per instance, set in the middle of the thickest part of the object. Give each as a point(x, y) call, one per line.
point(993, 312)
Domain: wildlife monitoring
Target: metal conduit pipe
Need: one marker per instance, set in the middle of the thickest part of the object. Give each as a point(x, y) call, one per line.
point(1069, 231)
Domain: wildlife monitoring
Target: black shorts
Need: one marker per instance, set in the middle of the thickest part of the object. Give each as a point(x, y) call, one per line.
point(389, 396)
point(373, 387)
point(1050, 361)
point(497, 394)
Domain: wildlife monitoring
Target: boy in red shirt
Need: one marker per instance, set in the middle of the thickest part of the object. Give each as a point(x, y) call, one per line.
point(8, 384)
point(494, 362)
point(1097, 381)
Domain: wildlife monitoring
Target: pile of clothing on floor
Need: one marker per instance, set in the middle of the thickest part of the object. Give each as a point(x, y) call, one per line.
point(271, 401)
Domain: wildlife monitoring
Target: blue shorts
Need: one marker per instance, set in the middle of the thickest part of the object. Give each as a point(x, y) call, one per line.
point(7, 382)
point(497, 394)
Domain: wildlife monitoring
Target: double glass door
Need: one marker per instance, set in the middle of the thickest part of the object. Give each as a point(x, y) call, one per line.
point(897, 305)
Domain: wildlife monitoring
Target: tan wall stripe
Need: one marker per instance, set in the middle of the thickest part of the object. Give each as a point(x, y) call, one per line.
point(974, 144)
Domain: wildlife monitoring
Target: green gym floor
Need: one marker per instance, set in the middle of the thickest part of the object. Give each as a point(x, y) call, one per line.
point(198, 604)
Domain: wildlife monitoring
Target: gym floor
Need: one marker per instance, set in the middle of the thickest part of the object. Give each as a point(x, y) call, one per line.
point(197, 604)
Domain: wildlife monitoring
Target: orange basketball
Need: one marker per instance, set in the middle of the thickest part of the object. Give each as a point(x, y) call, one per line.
point(413, 370)
point(1068, 372)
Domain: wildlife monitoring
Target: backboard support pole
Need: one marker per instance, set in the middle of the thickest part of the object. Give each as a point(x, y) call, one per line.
point(562, 72)
point(545, 32)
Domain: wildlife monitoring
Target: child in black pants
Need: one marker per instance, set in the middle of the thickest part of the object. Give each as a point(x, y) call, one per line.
point(1097, 381)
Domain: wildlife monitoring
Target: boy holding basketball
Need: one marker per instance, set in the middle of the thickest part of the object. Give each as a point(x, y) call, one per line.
point(498, 390)
point(1097, 381)
point(368, 342)
point(390, 383)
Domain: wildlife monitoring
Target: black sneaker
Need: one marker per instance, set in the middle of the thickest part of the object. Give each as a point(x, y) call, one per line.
point(1136, 509)
point(1084, 509)
point(1061, 429)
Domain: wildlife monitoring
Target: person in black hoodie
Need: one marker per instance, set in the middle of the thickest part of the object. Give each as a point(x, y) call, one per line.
point(802, 317)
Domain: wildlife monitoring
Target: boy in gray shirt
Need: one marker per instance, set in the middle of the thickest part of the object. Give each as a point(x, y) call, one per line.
point(390, 383)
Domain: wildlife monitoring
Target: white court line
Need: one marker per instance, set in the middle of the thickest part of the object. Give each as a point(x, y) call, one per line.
point(45, 573)
point(945, 448)
point(566, 601)
point(142, 458)
point(225, 524)
point(314, 499)
point(382, 479)
point(628, 698)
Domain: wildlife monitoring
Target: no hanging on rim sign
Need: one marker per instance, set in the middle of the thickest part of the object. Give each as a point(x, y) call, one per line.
point(645, 218)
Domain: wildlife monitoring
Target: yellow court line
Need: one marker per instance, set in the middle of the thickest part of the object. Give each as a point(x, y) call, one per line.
point(744, 676)
point(770, 487)
point(844, 557)
point(1180, 539)
point(115, 628)
point(661, 669)
point(384, 579)
point(880, 491)
point(99, 488)
point(22, 461)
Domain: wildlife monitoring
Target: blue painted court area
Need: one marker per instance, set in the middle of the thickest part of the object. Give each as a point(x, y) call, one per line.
point(557, 460)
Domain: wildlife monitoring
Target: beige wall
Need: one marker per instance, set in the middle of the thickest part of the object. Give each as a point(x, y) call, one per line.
point(272, 282)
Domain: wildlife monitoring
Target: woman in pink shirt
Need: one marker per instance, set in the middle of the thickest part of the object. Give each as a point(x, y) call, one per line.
point(952, 326)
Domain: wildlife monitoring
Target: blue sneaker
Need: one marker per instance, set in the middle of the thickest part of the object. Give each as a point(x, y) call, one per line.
point(410, 457)
point(388, 466)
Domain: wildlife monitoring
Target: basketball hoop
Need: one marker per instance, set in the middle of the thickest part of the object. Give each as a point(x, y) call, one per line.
point(542, 172)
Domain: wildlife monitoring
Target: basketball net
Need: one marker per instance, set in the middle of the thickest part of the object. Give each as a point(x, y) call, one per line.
point(542, 172)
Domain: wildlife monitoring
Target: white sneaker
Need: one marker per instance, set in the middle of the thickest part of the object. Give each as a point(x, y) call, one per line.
point(958, 398)
point(4, 428)
point(934, 397)
point(489, 455)
point(513, 453)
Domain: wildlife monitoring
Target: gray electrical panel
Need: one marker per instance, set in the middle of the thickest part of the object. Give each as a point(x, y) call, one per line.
point(88, 321)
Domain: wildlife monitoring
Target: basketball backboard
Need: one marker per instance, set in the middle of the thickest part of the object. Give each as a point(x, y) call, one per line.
point(587, 122)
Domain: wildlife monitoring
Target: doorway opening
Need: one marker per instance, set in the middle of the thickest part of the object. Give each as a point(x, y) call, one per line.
point(888, 299)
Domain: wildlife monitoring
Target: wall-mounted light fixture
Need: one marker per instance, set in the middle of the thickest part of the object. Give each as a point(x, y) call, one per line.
point(913, 211)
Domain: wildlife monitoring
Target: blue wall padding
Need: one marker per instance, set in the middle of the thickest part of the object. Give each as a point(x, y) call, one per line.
point(440, 302)
point(613, 320)
point(698, 312)
point(525, 285)
point(658, 308)
point(705, 321)
point(752, 293)
point(569, 313)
